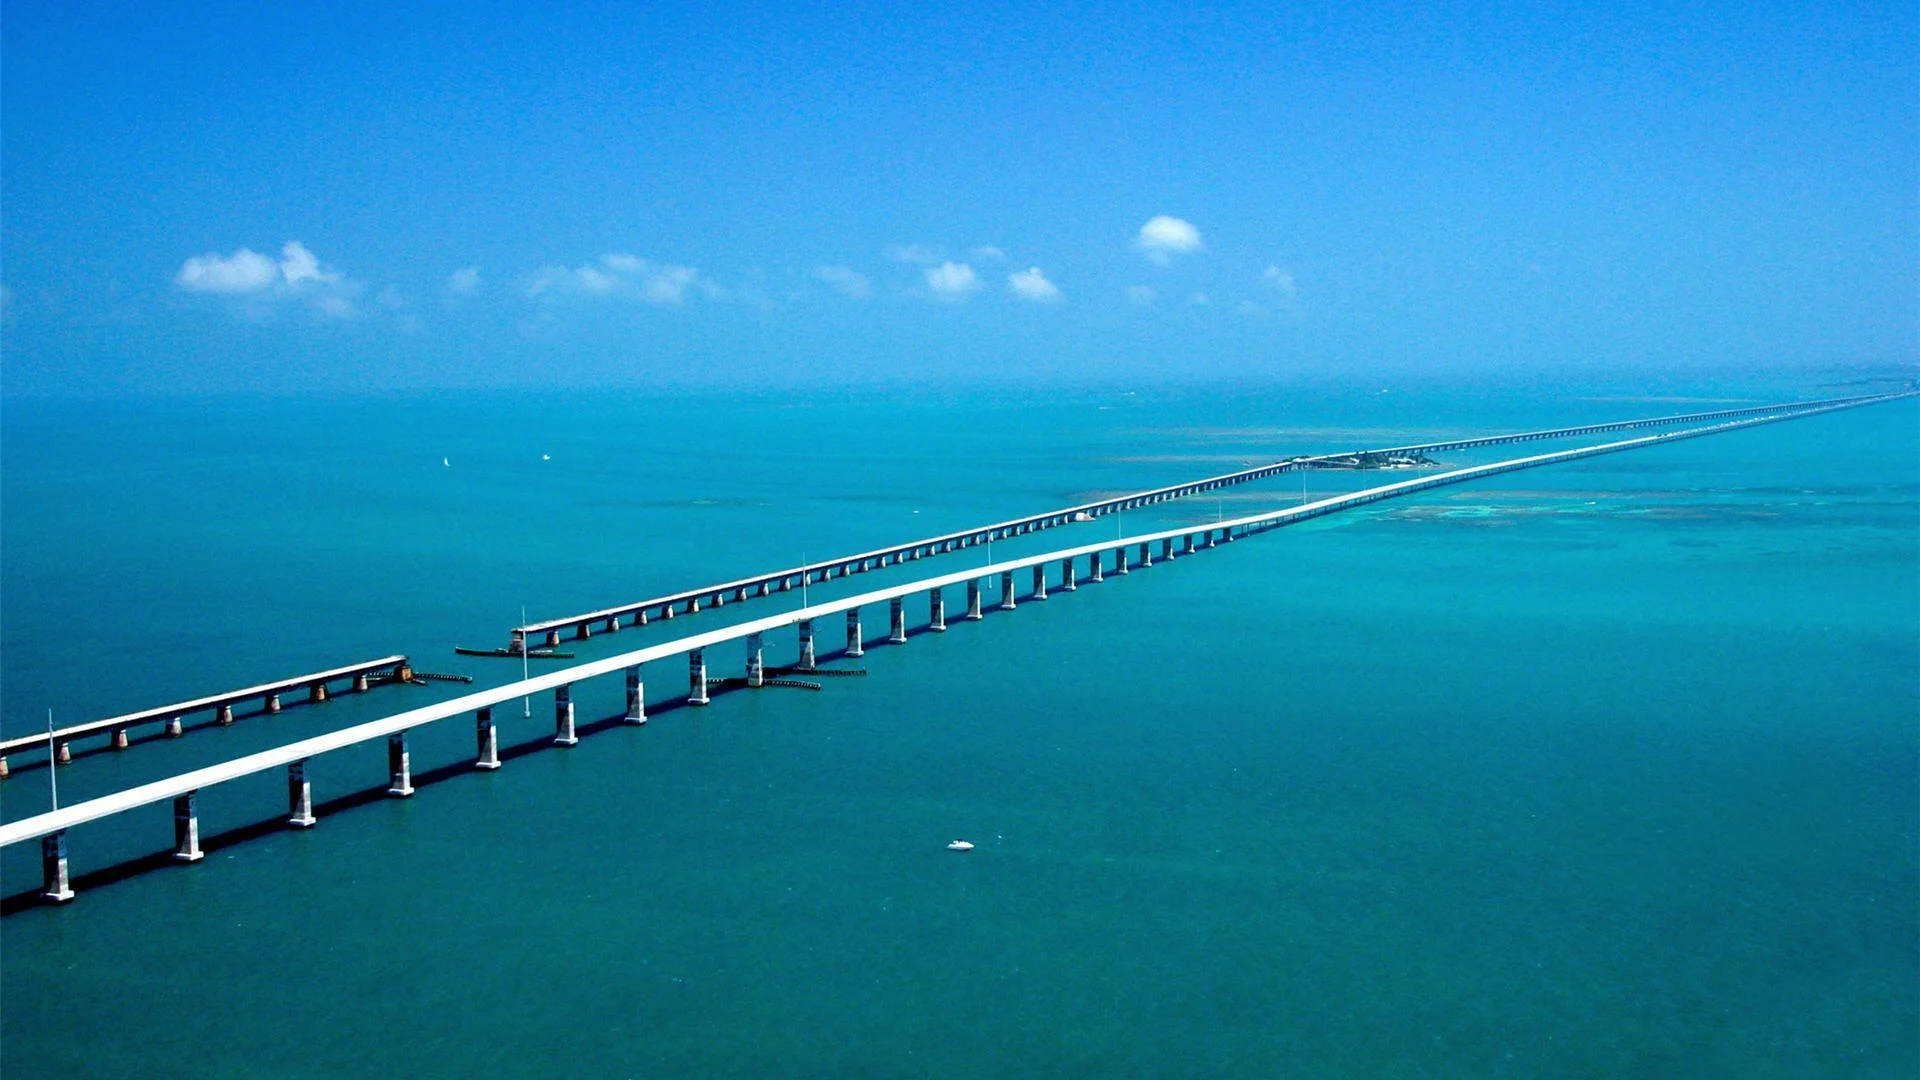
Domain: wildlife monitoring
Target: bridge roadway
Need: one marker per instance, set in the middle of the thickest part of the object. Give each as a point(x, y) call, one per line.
point(691, 601)
point(51, 827)
point(221, 705)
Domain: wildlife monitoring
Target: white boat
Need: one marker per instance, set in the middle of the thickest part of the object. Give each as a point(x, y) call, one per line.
point(960, 845)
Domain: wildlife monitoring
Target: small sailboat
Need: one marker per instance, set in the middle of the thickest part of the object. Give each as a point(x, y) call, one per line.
point(446, 463)
point(960, 845)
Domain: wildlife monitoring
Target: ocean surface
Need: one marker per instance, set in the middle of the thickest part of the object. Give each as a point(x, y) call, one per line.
point(1610, 768)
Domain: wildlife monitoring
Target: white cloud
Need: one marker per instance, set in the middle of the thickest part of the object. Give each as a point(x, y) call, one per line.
point(464, 281)
point(1281, 281)
point(952, 281)
point(846, 279)
point(1140, 294)
point(244, 271)
point(1031, 284)
point(1163, 237)
point(916, 254)
point(619, 275)
point(260, 280)
point(989, 253)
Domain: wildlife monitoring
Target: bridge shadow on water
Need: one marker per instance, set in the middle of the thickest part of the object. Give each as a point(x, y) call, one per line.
point(276, 823)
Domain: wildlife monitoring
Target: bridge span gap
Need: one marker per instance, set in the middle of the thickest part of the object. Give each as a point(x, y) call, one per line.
point(549, 632)
point(183, 790)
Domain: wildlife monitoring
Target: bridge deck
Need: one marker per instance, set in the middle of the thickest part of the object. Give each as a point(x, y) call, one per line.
point(57, 821)
point(204, 704)
point(857, 563)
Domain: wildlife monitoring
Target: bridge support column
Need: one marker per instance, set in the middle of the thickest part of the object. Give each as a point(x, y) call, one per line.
point(1120, 560)
point(897, 620)
point(853, 633)
point(186, 828)
point(299, 796)
point(62, 752)
point(1146, 555)
point(1007, 599)
point(360, 683)
point(636, 697)
point(224, 714)
point(666, 611)
point(756, 667)
point(740, 594)
point(317, 693)
point(1186, 547)
point(613, 624)
point(806, 645)
point(517, 644)
point(486, 740)
point(563, 733)
point(553, 639)
point(1093, 568)
point(175, 728)
point(697, 677)
point(640, 617)
point(973, 600)
point(1166, 548)
point(582, 632)
point(1040, 581)
point(5, 771)
point(1066, 575)
point(118, 738)
point(693, 607)
point(399, 766)
point(53, 868)
point(1207, 541)
point(936, 611)
point(272, 703)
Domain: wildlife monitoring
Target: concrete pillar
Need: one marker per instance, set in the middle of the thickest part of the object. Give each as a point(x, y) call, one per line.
point(399, 766)
point(1093, 567)
point(697, 677)
point(486, 740)
point(582, 632)
point(740, 594)
point(1120, 559)
point(693, 607)
point(5, 771)
point(897, 620)
point(806, 645)
point(756, 666)
point(973, 600)
point(640, 617)
point(613, 624)
point(1007, 600)
point(1187, 544)
point(853, 633)
point(360, 683)
point(1207, 541)
point(563, 733)
point(936, 611)
point(62, 752)
point(1066, 575)
point(186, 828)
point(299, 796)
point(117, 738)
point(175, 728)
point(224, 714)
point(317, 693)
point(1146, 555)
point(53, 868)
point(636, 697)
point(272, 703)
point(518, 643)
point(553, 639)
point(1040, 581)
point(666, 611)
point(1166, 548)
point(719, 599)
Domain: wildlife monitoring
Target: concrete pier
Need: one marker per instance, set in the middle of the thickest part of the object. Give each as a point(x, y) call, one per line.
point(360, 683)
point(224, 715)
point(118, 738)
point(855, 647)
point(756, 664)
point(272, 704)
point(897, 620)
point(62, 752)
point(697, 677)
point(1040, 581)
point(299, 795)
point(1186, 547)
point(53, 868)
point(1146, 555)
point(486, 740)
point(1166, 548)
point(317, 693)
point(399, 766)
point(553, 639)
point(1007, 599)
point(563, 731)
point(806, 662)
point(1067, 583)
point(186, 828)
point(636, 697)
point(936, 611)
point(1120, 559)
point(175, 728)
point(973, 600)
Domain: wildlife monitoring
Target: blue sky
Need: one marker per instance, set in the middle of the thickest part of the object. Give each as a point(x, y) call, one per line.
point(292, 196)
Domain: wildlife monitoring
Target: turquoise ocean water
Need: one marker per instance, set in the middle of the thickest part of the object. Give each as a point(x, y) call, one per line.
point(1600, 769)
